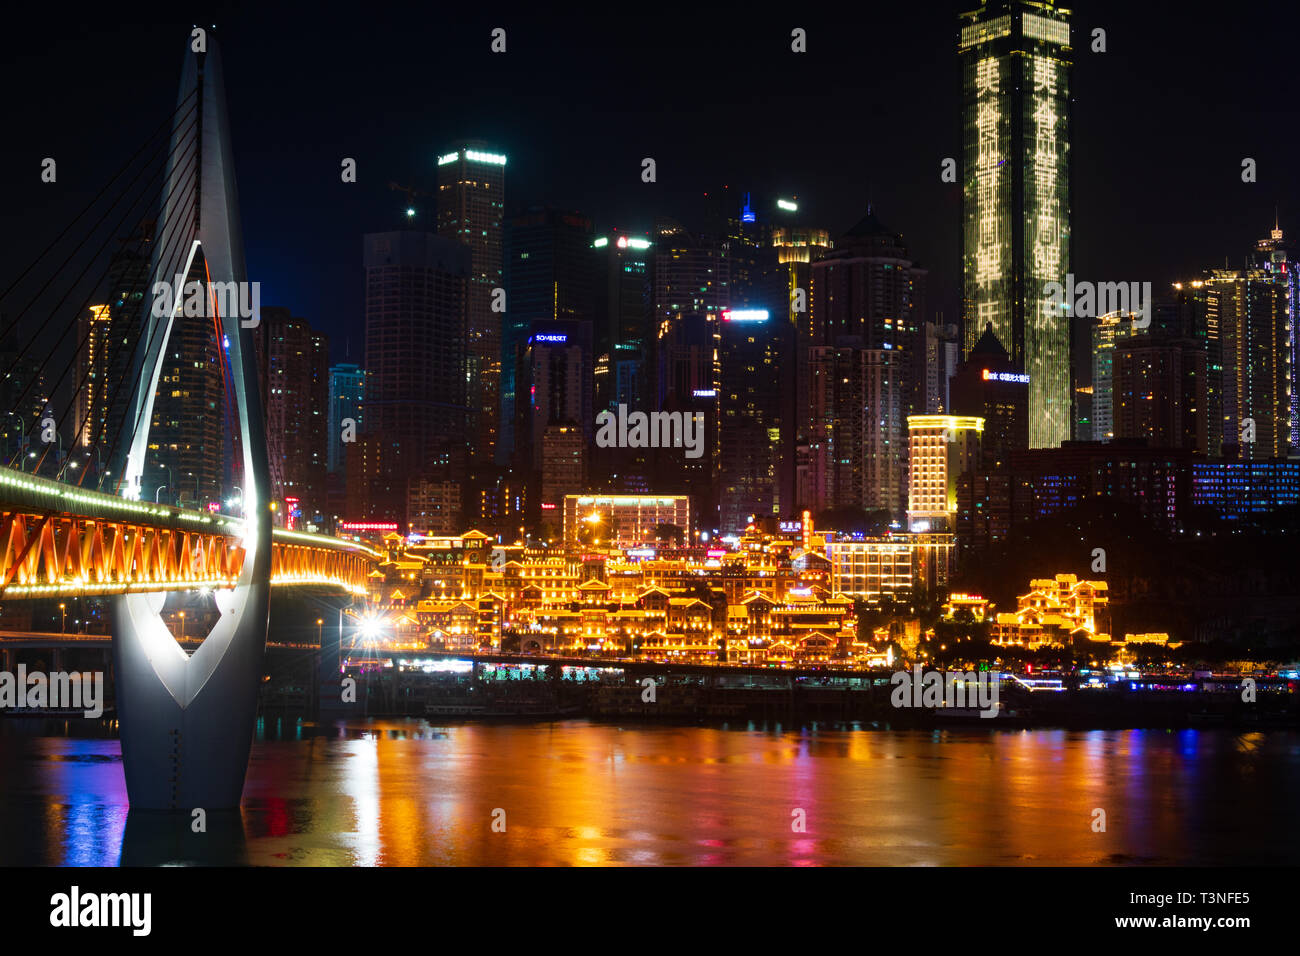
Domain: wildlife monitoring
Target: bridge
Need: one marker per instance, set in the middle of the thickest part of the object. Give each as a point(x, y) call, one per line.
point(77, 522)
point(57, 540)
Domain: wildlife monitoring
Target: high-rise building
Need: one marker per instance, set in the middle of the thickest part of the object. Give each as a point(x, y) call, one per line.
point(293, 373)
point(691, 275)
point(868, 289)
point(1160, 392)
point(94, 382)
point(1108, 330)
point(785, 290)
point(347, 393)
point(414, 410)
point(624, 339)
point(553, 413)
point(942, 449)
point(471, 208)
point(549, 277)
point(1241, 316)
point(756, 432)
point(991, 387)
point(857, 452)
point(1276, 256)
point(936, 357)
point(1015, 70)
point(189, 434)
point(866, 303)
point(689, 377)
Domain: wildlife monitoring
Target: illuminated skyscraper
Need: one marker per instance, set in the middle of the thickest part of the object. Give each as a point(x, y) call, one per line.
point(941, 448)
point(471, 206)
point(549, 277)
point(347, 391)
point(93, 379)
point(414, 408)
point(1277, 257)
point(1241, 317)
point(1015, 68)
point(756, 418)
point(293, 371)
point(1108, 329)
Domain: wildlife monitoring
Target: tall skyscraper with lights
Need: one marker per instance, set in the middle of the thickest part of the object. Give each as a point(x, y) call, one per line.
point(347, 391)
point(471, 206)
point(549, 277)
point(414, 409)
point(1015, 67)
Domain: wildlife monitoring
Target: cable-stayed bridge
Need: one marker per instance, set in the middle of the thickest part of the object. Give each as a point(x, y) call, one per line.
point(129, 370)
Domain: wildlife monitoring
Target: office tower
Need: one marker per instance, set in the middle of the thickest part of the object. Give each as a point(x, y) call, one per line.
point(414, 412)
point(756, 417)
point(867, 295)
point(347, 393)
point(623, 324)
point(623, 341)
point(941, 449)
point(1160, 392)
point(857, 451)
point(1015, 69)
point(786, 289)
point(293, 374)
point(553, 413)
point(549, 277)
point(471, 207)
point(691, 276)
point(935, 359)
point(1276, 256)
point(737, 228)
point(689, 372)
point(989, 386)
point(93, 383)
point(1107, 330)
point(189, 434)
point(1241, 316)
point(867, 288)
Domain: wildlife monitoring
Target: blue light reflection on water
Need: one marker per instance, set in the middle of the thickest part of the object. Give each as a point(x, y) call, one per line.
point(407, 792)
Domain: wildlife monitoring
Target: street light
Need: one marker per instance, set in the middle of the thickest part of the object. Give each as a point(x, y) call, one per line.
point(63, 628)
point(320, 630)
point(182, 625)
point(157, 493)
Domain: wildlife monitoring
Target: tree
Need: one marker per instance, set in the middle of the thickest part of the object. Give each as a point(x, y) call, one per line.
point(670, 532)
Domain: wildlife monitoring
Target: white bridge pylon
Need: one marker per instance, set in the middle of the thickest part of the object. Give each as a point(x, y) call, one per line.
point(186, 722)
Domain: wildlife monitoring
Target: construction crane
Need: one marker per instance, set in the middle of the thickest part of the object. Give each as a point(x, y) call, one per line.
point(411, 193)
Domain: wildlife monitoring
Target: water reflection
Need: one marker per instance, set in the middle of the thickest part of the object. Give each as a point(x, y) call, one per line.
point(578, 793)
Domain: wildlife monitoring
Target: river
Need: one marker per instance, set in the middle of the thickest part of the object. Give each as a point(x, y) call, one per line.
point(577, 792)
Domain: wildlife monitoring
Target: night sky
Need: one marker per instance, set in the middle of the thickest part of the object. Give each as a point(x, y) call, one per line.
point(1162, 121)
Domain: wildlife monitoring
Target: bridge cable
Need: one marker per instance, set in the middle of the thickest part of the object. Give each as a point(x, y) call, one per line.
point(75, 316)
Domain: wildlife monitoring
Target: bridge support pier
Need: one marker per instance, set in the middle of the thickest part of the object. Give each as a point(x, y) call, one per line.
point(329, 684)
point(186, 723)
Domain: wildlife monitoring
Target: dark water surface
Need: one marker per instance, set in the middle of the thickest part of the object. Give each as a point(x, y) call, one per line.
point(575, 792)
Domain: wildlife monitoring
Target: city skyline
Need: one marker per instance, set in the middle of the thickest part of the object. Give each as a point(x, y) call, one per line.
point(828, 174)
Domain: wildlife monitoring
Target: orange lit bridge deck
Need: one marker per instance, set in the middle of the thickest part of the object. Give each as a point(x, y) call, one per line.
point(57, 539)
